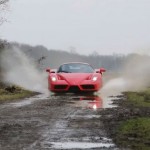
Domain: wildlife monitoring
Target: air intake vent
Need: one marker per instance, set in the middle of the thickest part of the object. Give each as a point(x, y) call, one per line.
point(74, 89)
point(88, 87)
point(60, 87)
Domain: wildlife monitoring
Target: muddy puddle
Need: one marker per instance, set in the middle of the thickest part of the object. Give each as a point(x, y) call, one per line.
point(79, 145)
point(68, 121)
point(27, 101)
point(83, 122)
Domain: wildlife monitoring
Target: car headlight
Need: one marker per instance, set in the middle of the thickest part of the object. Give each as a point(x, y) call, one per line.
point(94, 78)
point(53, 79)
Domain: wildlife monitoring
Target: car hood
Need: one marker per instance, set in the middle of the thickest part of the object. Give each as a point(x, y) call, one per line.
point(75, 78)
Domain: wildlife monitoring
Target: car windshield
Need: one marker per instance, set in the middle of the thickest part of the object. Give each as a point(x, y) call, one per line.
point(75, 68)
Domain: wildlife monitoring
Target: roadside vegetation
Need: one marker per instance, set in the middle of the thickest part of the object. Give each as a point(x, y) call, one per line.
point(13, 93)
point(135, 132)
point(129, 124)
point(139, 99)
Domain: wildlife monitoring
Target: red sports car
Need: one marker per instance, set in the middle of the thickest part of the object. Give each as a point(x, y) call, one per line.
point(75, 77)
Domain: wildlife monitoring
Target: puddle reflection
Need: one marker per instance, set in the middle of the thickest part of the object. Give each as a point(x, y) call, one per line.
point(90, 102)
point(93, 102)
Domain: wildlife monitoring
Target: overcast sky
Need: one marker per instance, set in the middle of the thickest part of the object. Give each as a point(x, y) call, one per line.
point(105, 26)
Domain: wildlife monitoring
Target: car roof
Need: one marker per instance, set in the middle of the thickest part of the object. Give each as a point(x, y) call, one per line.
point(75, 63)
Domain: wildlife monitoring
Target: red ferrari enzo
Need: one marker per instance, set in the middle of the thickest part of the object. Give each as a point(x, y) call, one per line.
point(75, 77)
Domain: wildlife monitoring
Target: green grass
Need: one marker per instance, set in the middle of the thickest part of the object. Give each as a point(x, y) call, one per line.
point(139, 99)
point(17, 94)
point(134, 133)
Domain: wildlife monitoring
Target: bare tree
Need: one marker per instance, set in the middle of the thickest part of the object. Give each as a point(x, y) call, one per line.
point(2, 8)
point(3, 4)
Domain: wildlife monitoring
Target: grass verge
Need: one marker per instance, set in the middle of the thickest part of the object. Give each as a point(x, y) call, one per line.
point(18, 93)
point(139, 99)
point(134, 133)
point(129, 124)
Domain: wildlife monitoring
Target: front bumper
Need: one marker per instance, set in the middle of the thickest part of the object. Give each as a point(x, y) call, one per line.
point(63, 86)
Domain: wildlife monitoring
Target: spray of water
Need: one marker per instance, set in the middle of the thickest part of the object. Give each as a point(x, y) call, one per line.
point(21, 71)
point(135, 75)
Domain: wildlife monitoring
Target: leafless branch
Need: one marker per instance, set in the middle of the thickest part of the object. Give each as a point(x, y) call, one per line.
point(3, 2)
point(3, 6)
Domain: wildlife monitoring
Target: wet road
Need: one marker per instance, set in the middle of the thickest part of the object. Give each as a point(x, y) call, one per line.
point(54, 122)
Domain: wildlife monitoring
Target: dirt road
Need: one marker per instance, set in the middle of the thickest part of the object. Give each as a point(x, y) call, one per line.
point(53, 122)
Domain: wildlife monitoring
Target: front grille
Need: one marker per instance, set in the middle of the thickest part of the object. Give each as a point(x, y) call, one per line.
point(74, 89)
point(60, 87)
point(88, 87)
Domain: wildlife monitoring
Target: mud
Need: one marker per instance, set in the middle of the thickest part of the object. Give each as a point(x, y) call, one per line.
point(54, 122)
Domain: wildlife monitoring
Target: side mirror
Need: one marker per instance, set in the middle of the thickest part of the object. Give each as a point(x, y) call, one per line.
point(102, 70)
point(48, 70)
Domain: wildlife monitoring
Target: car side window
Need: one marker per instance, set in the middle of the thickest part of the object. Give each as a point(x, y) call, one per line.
point(64, 69)
point(60, 69)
